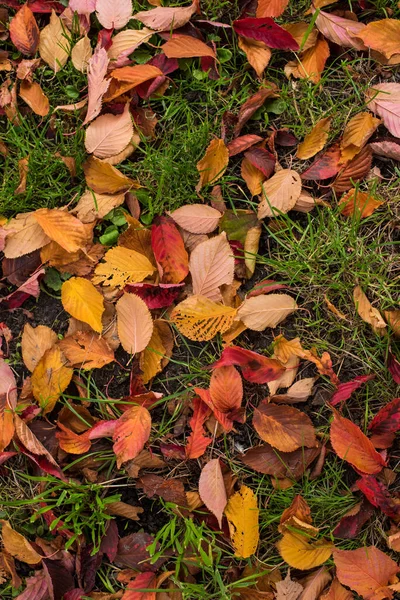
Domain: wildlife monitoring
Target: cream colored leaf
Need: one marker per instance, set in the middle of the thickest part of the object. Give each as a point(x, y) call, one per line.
point(24, 235)
point(34, 343)
point(315, 140)
point(81, 299)
point(197, 218)
point(263, 311)
point(93, 206)
point(242, 514)
point(109, 134)
point(211, 265)
point(81, 54)
point(122, 266)
point(280, 193)
point(114, 15)
point(367, 312)
point(134, 322)
point(200, 319)
point(54, 45)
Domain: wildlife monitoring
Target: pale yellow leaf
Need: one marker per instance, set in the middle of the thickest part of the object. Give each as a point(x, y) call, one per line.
point(81, 299)
point(268, 310)
point(134, 322)
point(297, 550)
point(81, 54)
point(54, 45)
point(279, 193)
point(200, 319)
point(211, 265)
point(242, 514)
point(122, 266)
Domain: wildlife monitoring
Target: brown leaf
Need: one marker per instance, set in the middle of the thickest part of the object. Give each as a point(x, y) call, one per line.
point(354, 171)
point(288, 589)
point(35, 342)
point(284, 427)
point(314, 584)
point(212, 489)
point(24, 31)
point(23, 168)
point(337, 592)
point(254, 103)
point(122, 509)
point(50, 379)
point(367, 312)
point(34, 96)
point(86, 350)
point(18, 546)
point(171, 490)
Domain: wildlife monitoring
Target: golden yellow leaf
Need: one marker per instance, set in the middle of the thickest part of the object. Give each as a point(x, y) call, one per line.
point(34, 343)
point(103, 178)
point(258, 54)
point(122, 266)
point(152, 357)
point(242, 514)
point(50, 378)
point(137, 238)
point(298, 31)
point(383, 36)
point(213, 164)
point(367, 312)
point(135, 325)
point(18, 546)
point(54, 43)
point(93, 206)
point(80, 298)
point(300, 553)
point(81, 54)
point(315, 140)
point(310, 63)
point(200, 319)
point(63, 228)
point(253, 177)
point(356, 134)
point(251, 245)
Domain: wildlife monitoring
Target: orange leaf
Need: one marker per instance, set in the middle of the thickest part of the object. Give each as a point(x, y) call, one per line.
point(136, 75)
point(106, 179)
point(185, 46)
point(63, 228)
point(368, 571)
point(212, 489)
point(360, 204)
point(350, 443)
point(315, 140)
point(271, 8)
point(354, 171)
point(109, 134)
point(8, 401)
point(284, 427)
point(383, 36)
point(131, 433)
point(197, 441)
point(337, 592)
point(169, 250)
point(258, 54)
point(311, 62)
point(18, 546)
point(86, 350)
point(356, 134)
point(135, 325)
point(213, 164)
point(226, 389)
point(253, 177)
point(34, 96)
point(24, 31)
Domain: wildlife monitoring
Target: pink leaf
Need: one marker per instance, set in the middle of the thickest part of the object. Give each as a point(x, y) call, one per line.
point(97, 84)
point(212, 489)
point(324, 166)
point(82, 7)
point(114, 14)
point(267, 31)
point(262, 159)
point(109, 134)
point(345, 390)
point(339, 30)
point(393, 366)
point(387, 147)
point(384, 100)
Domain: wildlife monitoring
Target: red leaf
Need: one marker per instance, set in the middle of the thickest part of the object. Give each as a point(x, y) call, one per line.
point(324, 166)
point(156, 296)
point(169, 250)
point(387, 421)
point(197, 441)
point(352, 522)
point(173, 451)
point(104, 38)
point(266, 286)
point(352, 445)
point(242, 143)
point(255, 367)
point(109, 542)
point(393, 366)
point(263, 160)
point(226, 389)
point(345, 390)
point(212, 489)
point(136, 588)
point(133, 554)
point(252, 104)
point(378, 495)
point(267, 31)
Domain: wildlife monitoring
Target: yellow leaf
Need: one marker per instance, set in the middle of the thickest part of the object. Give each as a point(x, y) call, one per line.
point(315, 140)
point(300, 553)
point(106, 179)
point(213, 164)
point(367, 312)
point(50, 378)
point(200, 319)
point(383, 36)
point(35, 342)
point(268, 310)
point(253, 177)
point(358, 130)
point(242, 514)
point(122, 266)
point(135, 325)
point(54, 44)
point(63, 228)
point(18, 546)
point(80, 298)
point(159, 346)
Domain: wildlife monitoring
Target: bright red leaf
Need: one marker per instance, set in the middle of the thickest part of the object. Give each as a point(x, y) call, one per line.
point(255, 367)
point(267, 31)
point(345, 390)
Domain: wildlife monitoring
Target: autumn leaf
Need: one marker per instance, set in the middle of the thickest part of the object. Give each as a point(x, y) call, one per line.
point(356, 134)
point(153, 356)
point(326, 165)
point(113, 15)
point(63, 228)
point(200, 319)
point(252, 104)
point(8, 402)
point(345, 390)
point(212, 489)
point(167, 18)
point(34, 343)
point(385, 424)
point(54, 44)
point(242, 143)
point(287, 589)
point(260, 312)
point(106, 179)
point(122, 266)
point(367, 571)
point(50, 379)
point(280, 193)
point(185, 46)
point(242, 514)
point(24, 31)
point(197, 441)
point(255, 367)
point(197, 218)
point(169, 250)
point(34, 96)
point(17, 545)
point(134, 322)
point(384, 100)
point(226, 388)
point(213, 164)
point(339, 30)
point(257, 53)
point(81, 54)
point(383, 36)
point(131, 433)
point(253, 177)
point(97, 84)
point(350, 443)
point(358, 203)
point(85, 350)
point(354, 171)
point(109, 134)
point(265, 30)
point(212, 265)
point(93, 206)
point(284, 427)
point(300, 553)
point(124, 43)
point(367, 312)
point(315, 140)
point(81, 299)
point(271, 8)
point(311, 63)
point(337, 592)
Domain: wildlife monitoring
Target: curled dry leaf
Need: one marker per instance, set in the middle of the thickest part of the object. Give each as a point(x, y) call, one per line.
point(242, 514)
point(197, 218)
point(212, 265)
point(212, 489)
point(287, 589)
point(81, 299)
point(109, 134)
point(280, 193)
point(34, 96)
point(200, 319)
point(367, 312)
point(131, 433)
point(315, 140)
point(213, 164)
point(81, 54)
point(35, 342)
point(354, 171)
point(50, 379)
point(18, 546)
point(122, 266)
point(135, 325)
point(284, 427)
point(54, 44)
point(260, 312)
point(24, 31)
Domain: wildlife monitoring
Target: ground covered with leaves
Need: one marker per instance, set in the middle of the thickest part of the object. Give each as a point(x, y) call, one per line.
point(199, 358)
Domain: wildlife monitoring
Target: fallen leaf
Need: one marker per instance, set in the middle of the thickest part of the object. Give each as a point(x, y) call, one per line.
point(17, 545)
point(82, 7)
point(35, 342)
point(288, 589)
point(106, 179)
point(388, 147)
point(185, 46)
point(8, 402)
point(253, 103)
point(63, 228)
point(142, 581)
point(298, 392)
point(260, 312)
point(382, 35)
point(213, 164)
point(97, 84)
point(197, 441)
point(169, 250)
point(167, 18)
point(153, 356)
point(345, 390)
point(212, 265)
point(265, 30)
point(135, 325)
point(93, 206)
point(131, 433)
point(356, 170)
point(339, 30)
point(315, 140)
point(50, 379)
point(314, 584)
point(122, 509)
point(81, 54)
point(350, 444)
point(80, 298)
point(367, 312)
point(337, 592)
point(356, 134)
point(253, 177)
point(379, 496)
point(200, 319)
point(351, 523)
point(54, 44)
point(242, 514)
point(113, 15)
point(310, 63)
point(359, 204)
point(367, 571)
point(24, 31)
point(324, 166)
point(255, 367)
point(125, 42)
point(23, 168)
point(242, 143)
point(212, 489)
point(226, 389)
point(86, 351)
point(393, 366)
point(385, 424)
point(300, 553)
point(257, 53)
point(384, 100)
point(109, 134)
point(393, 320)
point(197, 218)
point(122, 266)
point(283, 427)
point(299, 30)
point(34, 96)
point(271, 8)
point(280, 193)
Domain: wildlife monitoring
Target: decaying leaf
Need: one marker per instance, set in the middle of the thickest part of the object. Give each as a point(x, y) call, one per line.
point(242, 514)
point(122, 266)
point(358, 203)
point(367, 312)
point(35, 342)
point(200, 319)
